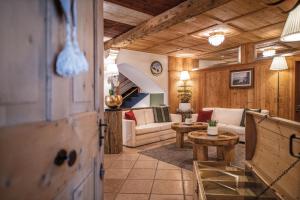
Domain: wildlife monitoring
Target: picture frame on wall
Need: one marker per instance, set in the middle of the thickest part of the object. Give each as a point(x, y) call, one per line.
point(243, 78)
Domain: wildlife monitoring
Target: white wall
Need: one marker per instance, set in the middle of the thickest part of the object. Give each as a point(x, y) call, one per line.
point(142, 61)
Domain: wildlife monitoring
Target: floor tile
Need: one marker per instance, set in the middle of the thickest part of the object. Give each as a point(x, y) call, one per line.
point(116, 173)
point(168, 174)
point(109, 196)
point(146, 164)
point(109, 159)
point(167, 187)
point(166, 197)
point(144, 157)
point(137, 186)
point(128, 156)
point(132, 197)
point(122, 164)
point(164, 165)
point(189, 198)
point(113, 185)
point(187, 175)
point(141, 174)
point(127, 150)
point(188, 187)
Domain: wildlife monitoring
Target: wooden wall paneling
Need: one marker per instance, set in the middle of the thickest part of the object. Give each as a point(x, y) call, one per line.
point(214, 88)
point(22, 60)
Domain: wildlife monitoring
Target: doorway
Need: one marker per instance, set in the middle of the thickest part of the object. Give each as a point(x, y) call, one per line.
point(297, 91)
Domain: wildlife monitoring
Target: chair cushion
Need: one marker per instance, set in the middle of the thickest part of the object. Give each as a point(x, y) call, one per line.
point(140, 116)
point(231, 116)
point(161, 114)
point(204, 116)
point(130, 116)
point(149, 117)
point(147, 128)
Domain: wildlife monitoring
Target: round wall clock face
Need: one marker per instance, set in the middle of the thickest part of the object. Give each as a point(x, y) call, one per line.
point(156, 68)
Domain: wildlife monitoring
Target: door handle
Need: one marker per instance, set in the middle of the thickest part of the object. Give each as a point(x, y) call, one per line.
point(292, 138)
point(62, 156)
point(101, 135)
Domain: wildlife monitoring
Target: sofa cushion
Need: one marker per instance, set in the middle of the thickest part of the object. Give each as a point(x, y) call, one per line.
point(161, 114)
point(204, 116)
point(147, 128)
point(231, 128)
point(228, 115)
point(130, 116)
point(149, 117)
point(140, 116)
point(164, 126)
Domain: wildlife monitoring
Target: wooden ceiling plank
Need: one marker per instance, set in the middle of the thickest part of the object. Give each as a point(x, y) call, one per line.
point(151, 7)
point(180, 13)
point(123, 15)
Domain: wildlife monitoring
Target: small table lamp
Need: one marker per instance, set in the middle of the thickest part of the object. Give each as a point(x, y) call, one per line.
point(278, 64)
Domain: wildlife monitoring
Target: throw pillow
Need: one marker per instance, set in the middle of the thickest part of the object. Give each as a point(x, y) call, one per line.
point(204, 116)
point(243, 121)
point(161, 114)
point(130, 116)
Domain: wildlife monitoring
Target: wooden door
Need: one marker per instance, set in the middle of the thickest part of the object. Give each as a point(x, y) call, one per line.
point(297, 91)
point(41, 113)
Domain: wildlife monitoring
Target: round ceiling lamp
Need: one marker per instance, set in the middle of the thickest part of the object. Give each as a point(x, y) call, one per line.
point(216, 38)
point(291, 30)
point(269, 52)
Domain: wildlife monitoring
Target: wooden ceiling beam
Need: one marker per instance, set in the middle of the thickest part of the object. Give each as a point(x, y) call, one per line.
point(180, 13)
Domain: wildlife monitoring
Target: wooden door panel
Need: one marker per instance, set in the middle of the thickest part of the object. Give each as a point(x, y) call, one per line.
point(297, 91)
point(85, 191)
point(27, 153)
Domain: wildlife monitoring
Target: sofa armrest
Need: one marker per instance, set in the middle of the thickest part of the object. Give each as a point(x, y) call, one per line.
point(194, 117)
point(128, 132)
point(176, 118)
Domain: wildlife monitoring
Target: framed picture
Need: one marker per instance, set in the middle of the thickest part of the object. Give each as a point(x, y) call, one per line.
point(242, 78)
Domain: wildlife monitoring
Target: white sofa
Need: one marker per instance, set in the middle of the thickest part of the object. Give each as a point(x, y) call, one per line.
point(229, 119)
point(146, 130)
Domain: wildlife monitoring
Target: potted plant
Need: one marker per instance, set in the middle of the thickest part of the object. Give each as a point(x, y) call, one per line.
point(212, 128)
point(184, 92)
point(113, 100)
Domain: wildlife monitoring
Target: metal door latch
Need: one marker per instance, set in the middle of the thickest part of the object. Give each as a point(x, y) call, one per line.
point(101, 135)
point(101, 172)
point(292, 138)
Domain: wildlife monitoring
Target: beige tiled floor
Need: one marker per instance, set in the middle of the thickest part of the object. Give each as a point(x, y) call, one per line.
point(133, 176)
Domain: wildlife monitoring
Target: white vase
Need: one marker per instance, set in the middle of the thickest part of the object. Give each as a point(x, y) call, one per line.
point(185, 106)
point(212, 130)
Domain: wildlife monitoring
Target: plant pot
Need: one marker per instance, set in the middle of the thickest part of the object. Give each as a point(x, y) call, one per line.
point(113, 101)
point(212, 130)
point(185, 106)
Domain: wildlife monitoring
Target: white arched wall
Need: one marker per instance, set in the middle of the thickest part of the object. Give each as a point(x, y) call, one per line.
point(136, 66)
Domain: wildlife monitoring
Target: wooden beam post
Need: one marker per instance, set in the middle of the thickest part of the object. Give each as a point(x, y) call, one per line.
point(180, 13)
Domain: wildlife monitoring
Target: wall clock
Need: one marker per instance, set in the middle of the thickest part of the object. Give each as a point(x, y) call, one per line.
point(156, 68)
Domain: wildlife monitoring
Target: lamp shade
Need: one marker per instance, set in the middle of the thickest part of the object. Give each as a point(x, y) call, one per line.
point(184, 75)
point(291, 30)
point(279, 63)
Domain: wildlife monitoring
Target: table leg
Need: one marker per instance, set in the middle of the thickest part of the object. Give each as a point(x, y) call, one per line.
point(200, 152)
point(220, 153)
point(179, 139)
point(229, 153)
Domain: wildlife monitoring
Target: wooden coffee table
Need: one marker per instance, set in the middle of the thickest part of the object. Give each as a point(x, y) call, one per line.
point(182, 128)
point(224, 141)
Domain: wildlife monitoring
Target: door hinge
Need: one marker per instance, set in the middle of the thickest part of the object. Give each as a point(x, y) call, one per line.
point(101, 172)
point(101, 135)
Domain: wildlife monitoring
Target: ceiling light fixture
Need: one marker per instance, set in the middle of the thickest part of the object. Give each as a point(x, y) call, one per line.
point(216, 38)
point(291, 30)
point(269, 52)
